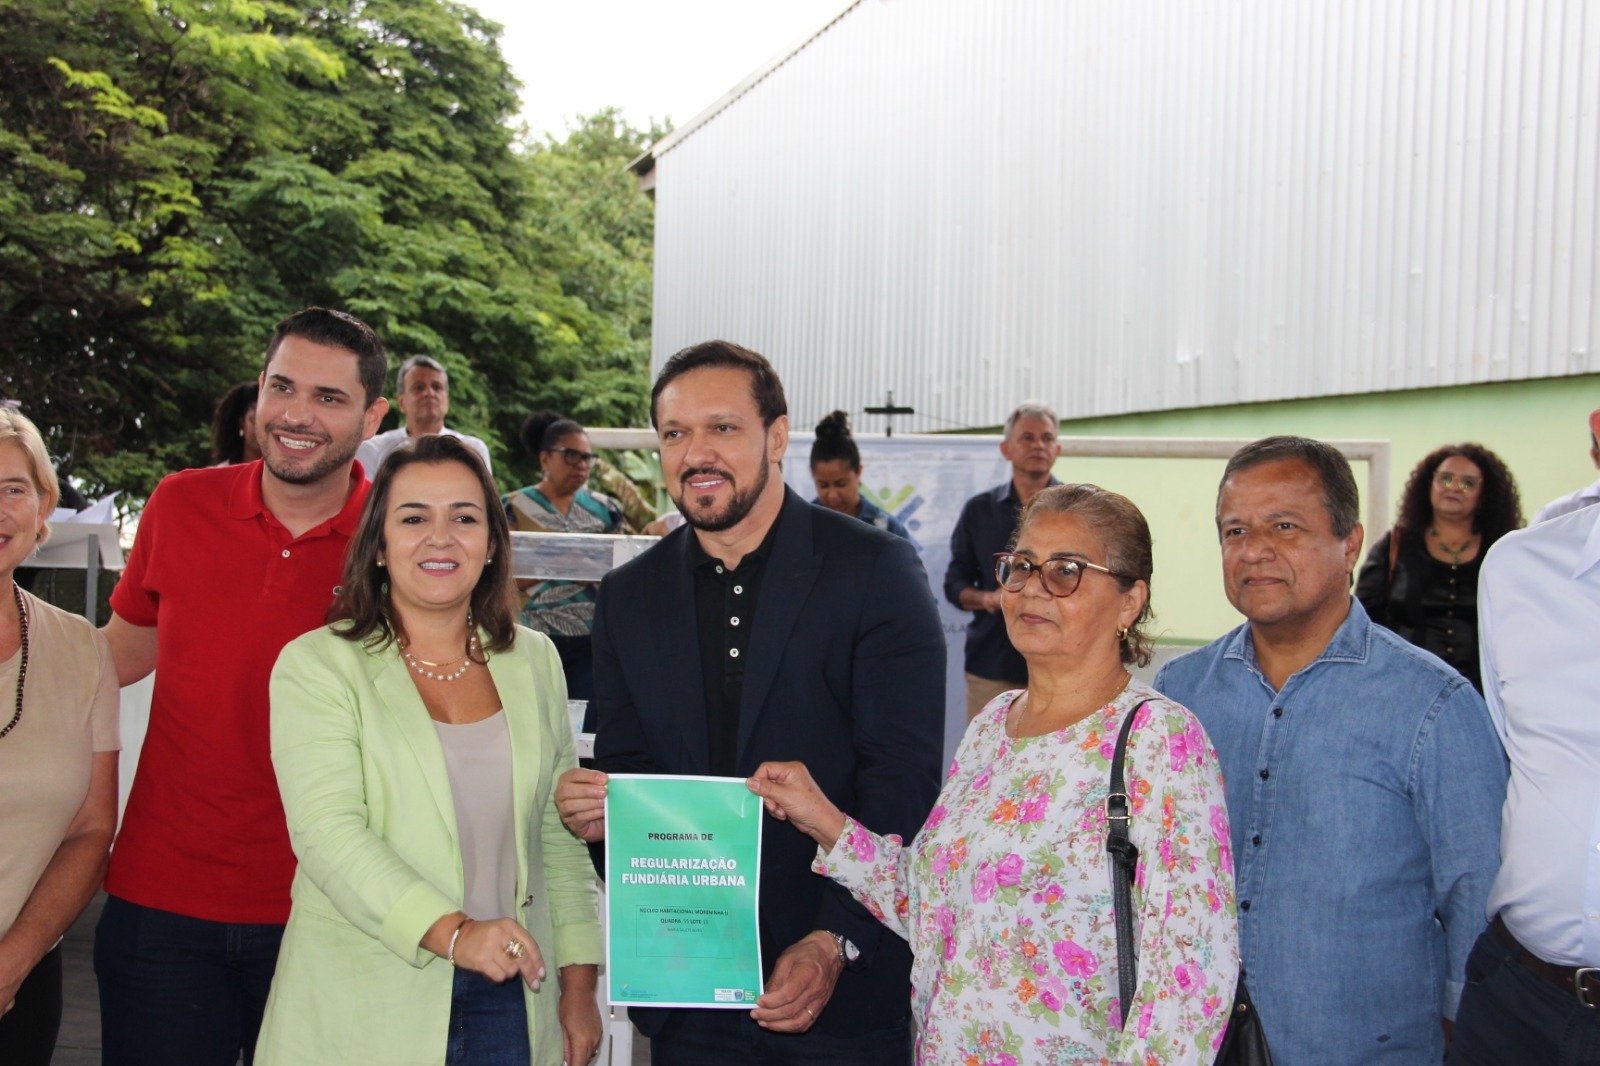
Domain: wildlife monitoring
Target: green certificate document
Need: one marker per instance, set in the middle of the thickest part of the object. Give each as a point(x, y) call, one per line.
point(683, 862)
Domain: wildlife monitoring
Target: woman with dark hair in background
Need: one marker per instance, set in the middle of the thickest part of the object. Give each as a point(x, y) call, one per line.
point(561, 503)
point(233, 427)
point(1421, 578)
point(836, 468)
point(417, 741)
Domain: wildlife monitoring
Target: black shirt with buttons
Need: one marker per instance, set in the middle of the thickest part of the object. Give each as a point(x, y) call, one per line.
point(1430, 603)
point(725, 606)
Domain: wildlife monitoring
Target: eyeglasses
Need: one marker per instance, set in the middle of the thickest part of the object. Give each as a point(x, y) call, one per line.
point(573, 456)
point(1059, 576)
point(1448, 480)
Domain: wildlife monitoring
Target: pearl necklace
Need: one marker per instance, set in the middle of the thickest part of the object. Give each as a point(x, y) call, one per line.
point(421, 665)
point(22, 667)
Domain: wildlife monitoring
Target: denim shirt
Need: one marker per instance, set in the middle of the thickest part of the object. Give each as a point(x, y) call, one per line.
point(873, 515)
point(1365, 807)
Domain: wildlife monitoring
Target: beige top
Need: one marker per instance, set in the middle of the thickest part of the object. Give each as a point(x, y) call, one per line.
point(477, 756)
point(69, 711)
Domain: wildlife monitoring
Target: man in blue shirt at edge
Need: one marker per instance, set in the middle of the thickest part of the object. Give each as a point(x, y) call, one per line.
point(1363, 775)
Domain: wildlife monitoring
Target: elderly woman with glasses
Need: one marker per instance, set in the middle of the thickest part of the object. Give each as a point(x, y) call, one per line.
point(1005, 894)
point(560, 503)
point(1421, 578)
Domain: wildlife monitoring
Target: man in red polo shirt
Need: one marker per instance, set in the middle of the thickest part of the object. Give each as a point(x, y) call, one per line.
point(230, 564)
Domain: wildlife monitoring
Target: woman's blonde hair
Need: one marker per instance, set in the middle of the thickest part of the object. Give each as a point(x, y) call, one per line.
point(17, 427)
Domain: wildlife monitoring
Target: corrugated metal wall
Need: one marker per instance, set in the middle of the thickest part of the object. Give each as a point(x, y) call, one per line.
point(1146, 205)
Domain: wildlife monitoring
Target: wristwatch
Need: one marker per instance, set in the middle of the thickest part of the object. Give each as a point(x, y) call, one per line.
point(848, 952)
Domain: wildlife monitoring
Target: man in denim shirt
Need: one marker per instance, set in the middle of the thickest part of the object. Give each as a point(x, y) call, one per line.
point(1363, 775)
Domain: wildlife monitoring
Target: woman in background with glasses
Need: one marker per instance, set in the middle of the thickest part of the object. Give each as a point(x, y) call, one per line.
point(1005, 894)
point(560, 503)
point(1421, 578)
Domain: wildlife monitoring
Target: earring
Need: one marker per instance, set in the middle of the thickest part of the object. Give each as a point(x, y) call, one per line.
point(489, 561)
point(1122, 632)
point(380, 562)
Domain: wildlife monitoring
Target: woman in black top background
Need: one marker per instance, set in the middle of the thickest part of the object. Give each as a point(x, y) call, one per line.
point(1421, 578)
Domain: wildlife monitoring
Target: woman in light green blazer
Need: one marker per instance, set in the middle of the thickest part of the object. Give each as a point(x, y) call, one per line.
point(416, 742)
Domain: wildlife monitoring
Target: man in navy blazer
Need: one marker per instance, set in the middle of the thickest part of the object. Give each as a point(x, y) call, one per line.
point(771, 629)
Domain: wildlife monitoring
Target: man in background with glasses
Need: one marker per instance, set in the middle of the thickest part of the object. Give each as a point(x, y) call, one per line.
point(987, 521)
point(1363, 777)
point(422, 392)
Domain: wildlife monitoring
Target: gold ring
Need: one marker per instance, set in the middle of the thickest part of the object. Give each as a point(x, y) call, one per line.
point(515, 949)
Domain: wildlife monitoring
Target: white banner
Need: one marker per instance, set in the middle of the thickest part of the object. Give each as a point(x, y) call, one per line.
point(924, 484)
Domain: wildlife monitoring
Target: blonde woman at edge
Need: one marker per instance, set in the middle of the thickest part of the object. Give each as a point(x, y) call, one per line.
point(441, 911)
point(58, 760)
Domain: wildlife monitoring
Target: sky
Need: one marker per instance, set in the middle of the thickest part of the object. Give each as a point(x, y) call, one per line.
point(653, 60)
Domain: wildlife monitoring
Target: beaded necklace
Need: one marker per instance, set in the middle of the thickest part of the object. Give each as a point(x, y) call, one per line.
point(1455, 550)
point(22, 667)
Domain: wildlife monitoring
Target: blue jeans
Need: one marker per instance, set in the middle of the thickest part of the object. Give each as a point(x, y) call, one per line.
point(488, 1022)
point(1510, 1017)
point(179, 989)
point(719, 1037)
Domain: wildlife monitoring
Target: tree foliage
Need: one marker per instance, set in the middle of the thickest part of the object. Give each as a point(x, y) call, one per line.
point(176, 175)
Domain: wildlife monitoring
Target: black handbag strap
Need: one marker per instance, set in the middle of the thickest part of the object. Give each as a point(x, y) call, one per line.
point(1124, 860)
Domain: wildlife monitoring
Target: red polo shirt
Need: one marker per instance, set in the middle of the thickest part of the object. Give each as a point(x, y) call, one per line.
point(226, 587)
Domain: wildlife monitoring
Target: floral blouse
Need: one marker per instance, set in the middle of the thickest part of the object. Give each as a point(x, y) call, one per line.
point(1005, 894)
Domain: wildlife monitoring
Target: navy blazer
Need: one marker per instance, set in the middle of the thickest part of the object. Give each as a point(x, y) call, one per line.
point(845, 674)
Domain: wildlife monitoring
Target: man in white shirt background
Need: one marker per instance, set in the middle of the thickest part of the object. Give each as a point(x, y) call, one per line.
point(1584, 497)
point(422, 392)
point(1533, 978)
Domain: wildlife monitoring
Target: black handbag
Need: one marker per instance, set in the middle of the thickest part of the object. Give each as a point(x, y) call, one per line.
point(1245, 1042)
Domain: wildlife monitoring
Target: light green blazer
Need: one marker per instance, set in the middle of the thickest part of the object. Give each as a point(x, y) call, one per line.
point(372, 822)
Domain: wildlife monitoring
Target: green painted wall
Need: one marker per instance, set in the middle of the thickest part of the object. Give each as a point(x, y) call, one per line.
point(1537, 427)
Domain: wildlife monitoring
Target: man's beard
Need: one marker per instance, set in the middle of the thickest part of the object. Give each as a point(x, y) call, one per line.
point(737, 509)
point(335, 453)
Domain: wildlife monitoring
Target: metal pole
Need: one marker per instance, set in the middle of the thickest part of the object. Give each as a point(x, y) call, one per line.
point(91, 579)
